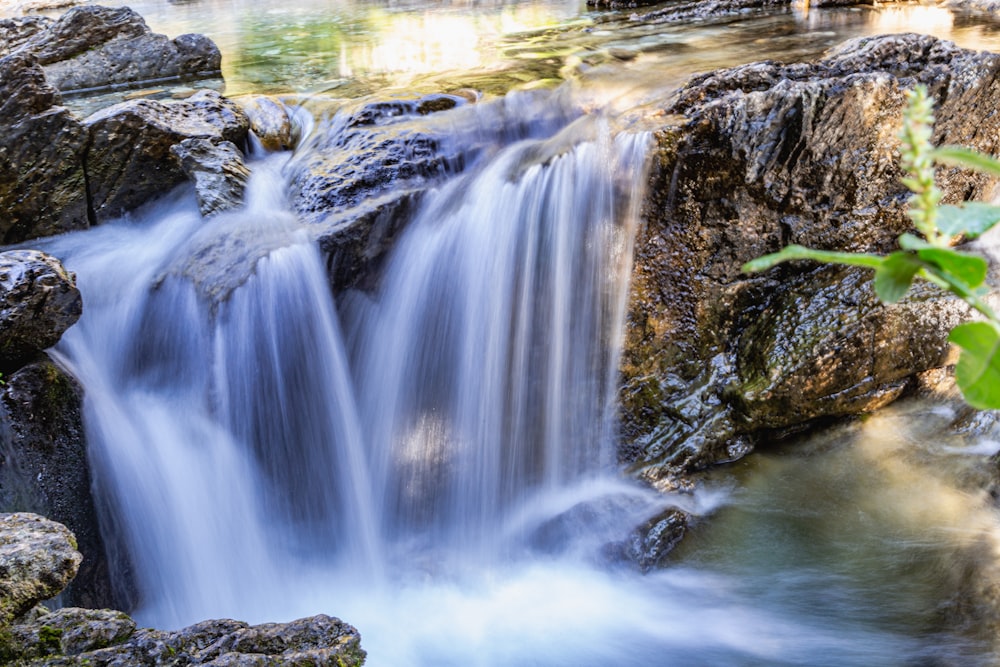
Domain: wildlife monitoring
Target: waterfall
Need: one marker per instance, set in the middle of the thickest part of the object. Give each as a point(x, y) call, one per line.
point(236, 443)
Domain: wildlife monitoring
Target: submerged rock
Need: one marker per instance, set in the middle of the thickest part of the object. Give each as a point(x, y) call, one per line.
point(43, 187)
point(95, 47)
point(765, 155)
point(130, 159)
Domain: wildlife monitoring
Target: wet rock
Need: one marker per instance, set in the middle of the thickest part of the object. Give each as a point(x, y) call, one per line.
point(95, 47)
point(217, 170)
point(44, 467)
point(43, 188)
point(71, 631)
point(764, 155)
point(38, 558)
point(649, 544)
point(318, 641)
point(361, 171)
point(708, 9)
point(39, 300)
point(270, 121)
point(129, 159)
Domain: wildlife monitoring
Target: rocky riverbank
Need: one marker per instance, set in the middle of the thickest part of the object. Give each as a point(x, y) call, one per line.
point(38, 558)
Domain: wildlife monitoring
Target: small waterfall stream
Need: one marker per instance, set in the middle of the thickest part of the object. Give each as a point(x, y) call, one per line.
point(433, 461)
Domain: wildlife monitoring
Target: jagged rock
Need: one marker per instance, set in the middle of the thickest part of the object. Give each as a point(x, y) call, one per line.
point(16, 31)
point(270, 121)
point(38, 558)
point(317, 641)
point(44, 467)
point(217, 170)
point(361, 171)
point(688, 10)
point(71, 631)
point(38, 302)
point(764, 155)
point(94, 47)
point(43, 189)
point(129, 160)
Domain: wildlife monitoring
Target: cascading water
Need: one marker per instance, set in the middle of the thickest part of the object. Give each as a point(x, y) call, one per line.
point(444, 480)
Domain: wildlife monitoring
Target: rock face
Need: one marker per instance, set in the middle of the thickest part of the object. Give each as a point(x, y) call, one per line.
point(767, 155)
point(130, 159)
point(43, 457)
point(43, 188)
point(96, 47)
point(38, 557)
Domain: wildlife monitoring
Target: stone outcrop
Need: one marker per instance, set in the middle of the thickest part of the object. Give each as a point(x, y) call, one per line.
point(43, 187)
point(38, 558)
point(217, 169)
point(97, 47)
point(765, 155)
point(361, 172)
point(130, 159)
point(43, 457)
point(38, 302)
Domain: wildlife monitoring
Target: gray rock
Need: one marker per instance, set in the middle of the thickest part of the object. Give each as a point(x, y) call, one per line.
point(39, 300)
point(129, 159)
point(360, 172)
point(14, 32)
point(43, 188)
point(96, 47)
point(318, 641)
point(649, 544)
point(217, 169)
point(71, 631)
point(38, 558)
point(765, 155)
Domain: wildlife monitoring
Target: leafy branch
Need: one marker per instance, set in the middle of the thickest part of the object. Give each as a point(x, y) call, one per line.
point(930, 255)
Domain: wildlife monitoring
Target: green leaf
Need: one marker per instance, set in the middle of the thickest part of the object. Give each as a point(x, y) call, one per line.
point(793, 252)
point(978, 369)
point(970, 269)
point(911, 242)
point(894, 276)
point(971, 219)
point(959, 156)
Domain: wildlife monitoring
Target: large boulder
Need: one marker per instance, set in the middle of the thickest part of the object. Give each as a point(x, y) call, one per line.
point(95, 47)
point(43, 188)
point(38, 558)
point(130, 158)
point(39, 300)
point(765, 155)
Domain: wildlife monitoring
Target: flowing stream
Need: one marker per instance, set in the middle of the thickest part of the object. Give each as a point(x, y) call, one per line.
point(433, 461)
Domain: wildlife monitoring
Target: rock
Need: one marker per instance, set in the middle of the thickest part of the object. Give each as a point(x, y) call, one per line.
point(38, 558)
point(361, 171)
point(318, 641)
point(217, 170)
point(765, 155)
point(129, 160)
point(270, 121)
point(44, 468)
point(96, 47)
point(650, 543)
point(39, 300)
point(43, 188)
point(688, 10)
point(16, 31)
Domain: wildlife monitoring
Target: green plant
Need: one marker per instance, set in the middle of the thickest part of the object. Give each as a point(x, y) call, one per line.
point(930, 256)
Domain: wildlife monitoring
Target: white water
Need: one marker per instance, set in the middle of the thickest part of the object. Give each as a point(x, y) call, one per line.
point(446, 482)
